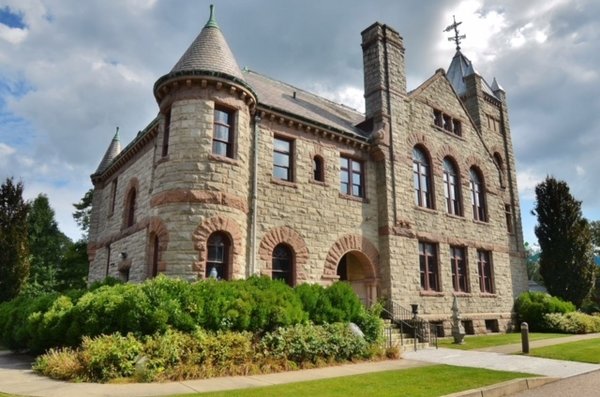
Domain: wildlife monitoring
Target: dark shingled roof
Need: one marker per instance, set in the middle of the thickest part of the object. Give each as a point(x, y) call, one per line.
point(294, 101)
point(209, 52)
point(461, 67)
point(113, 151)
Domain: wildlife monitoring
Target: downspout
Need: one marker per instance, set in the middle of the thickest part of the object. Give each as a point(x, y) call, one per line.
point(391, 128)
point(254, 197)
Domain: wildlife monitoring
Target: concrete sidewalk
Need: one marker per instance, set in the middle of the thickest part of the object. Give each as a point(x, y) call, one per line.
point(516, 347)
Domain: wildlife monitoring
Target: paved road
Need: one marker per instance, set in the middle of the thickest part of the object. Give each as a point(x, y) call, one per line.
point(586, 385)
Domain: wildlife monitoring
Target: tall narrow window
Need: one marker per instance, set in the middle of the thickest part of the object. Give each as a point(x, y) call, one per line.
point(222, 144)
point(422, 179)
point(447, 123)
point(500, 165)
point(457, 127)
point(428, 263)
point(113, 196)
point(484, 266)
point(282, 159)
point(217, 259)
point(458, 264)
point(438, 119)
point(318, 169)
point(351, 177)
point(283, 265)
point(131, 198)
point(451, 188)
point(477, 196)
point(166, 133)
point(508, 214)
point(155, 256)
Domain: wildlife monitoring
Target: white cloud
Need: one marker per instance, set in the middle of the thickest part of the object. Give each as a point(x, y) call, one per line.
point(12, 35)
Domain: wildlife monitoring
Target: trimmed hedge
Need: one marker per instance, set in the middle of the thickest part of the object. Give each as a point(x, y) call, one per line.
point(257, 305)
point(572, 323)
point(531, 307)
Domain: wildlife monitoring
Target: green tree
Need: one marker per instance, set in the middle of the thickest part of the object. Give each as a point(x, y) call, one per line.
point(566, 259)
point(595, 226)
point(14, 261)
point(47, 245)
point(83, 209)
point(74, 267)
point(533, 263)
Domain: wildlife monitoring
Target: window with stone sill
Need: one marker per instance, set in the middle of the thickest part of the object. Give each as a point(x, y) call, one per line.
point(218, 254)
point(422, 179)
point(447, 122)
point(223, 132)
point(458, 264)
point(352, 179)
point(283, 159)
point(428, 266)
point(484, 267)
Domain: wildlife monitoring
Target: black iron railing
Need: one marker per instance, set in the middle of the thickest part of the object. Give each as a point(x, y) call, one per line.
point(422, 331)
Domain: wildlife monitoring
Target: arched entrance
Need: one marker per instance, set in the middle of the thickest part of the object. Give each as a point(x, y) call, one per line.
point(353, 267)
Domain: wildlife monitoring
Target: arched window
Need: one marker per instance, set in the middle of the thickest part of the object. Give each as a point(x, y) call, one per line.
point(451, 188)
point(422, 179)
point(283, 264)
point(217, 260)
point(130, 215)
point(318, 169)
point(500, 165)
point(477, 195)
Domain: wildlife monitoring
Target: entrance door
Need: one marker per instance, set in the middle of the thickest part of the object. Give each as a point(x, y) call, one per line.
point(351, 269)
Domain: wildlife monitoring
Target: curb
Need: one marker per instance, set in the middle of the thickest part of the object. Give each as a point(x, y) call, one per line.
point(505, 388)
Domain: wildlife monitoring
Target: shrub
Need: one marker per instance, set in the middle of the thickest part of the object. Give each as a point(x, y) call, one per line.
point(532, 306)
point(109, 357)
point(572, 323)
point(312, 343)
point(62, 364)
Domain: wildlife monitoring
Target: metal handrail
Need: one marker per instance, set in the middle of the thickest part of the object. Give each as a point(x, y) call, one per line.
point(423, 331)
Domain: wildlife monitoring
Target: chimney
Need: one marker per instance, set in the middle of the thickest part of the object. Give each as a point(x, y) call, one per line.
point(384, 74)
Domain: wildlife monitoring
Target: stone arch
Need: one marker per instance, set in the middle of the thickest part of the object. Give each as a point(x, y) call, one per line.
point(292, 239)
point(448, 151)
point(351, 242)
point(202, 233)
point(133, 188)
point(157, 229)
point(417, 139)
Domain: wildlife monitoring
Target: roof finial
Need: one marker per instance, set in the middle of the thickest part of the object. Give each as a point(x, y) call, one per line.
point(116, 138)
point(212, 22)
point(456, 38)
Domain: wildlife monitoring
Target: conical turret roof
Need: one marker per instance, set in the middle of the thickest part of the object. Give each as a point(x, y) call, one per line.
point(113, 151)
point(461, 67)
point(209, 52)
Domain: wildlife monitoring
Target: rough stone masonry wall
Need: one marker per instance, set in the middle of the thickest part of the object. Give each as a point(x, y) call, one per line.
point(111, 227)
point(436, 226)
point(318, 214)
point(196, 192)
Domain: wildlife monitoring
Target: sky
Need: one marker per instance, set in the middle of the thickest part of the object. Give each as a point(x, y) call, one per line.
point(71, 71)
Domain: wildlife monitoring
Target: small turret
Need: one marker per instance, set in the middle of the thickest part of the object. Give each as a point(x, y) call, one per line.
point(113, 151)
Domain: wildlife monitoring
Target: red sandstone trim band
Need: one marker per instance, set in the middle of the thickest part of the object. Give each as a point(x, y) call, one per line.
point(187, 196)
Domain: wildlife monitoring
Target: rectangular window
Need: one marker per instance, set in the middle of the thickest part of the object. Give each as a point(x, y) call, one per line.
point(484, 266)
point(282, 159)
point(447, 123)
point(458, 264)
point(456, 124)
point(166, 134)
point(508, 213)
point(351, 177)
point(428, 264)
point(113, 196)
point(222, 144)
point(437, 118)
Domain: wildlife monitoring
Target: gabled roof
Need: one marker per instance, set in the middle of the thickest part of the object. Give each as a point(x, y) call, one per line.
point(113, 151)
point(209, 52)
point(461, 67)
point(294, 101)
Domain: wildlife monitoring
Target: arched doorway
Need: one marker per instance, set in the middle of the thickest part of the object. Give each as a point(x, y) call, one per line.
point(353, 268)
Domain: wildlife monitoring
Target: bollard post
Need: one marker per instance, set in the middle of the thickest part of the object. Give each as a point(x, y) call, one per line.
point(525, 337)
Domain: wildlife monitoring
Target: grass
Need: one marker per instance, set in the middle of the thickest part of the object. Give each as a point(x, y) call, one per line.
point(587, 351)
point(428, 381)
point(478, 342)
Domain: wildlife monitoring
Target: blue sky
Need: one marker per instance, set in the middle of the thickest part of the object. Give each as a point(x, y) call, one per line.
point(72, 71)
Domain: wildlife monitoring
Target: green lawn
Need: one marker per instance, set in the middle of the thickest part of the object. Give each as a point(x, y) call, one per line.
point(482, 341)
point(429, 381)
point(587, 351)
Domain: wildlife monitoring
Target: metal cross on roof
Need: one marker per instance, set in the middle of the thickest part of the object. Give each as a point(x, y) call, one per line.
point(457, 37)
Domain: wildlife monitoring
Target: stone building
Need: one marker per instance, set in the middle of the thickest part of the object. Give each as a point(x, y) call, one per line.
point(414, 201)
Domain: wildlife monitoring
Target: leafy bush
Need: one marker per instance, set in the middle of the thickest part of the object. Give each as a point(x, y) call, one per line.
point(532, 306)
point(61, 364)
point(572, 323)
point(109, 357)
point(312, 343)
